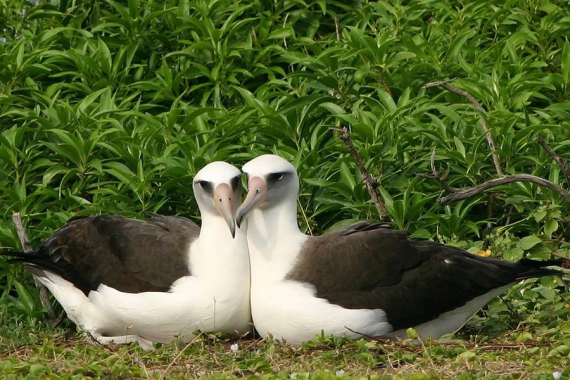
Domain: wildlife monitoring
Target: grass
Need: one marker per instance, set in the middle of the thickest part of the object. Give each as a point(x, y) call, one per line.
point(515, 355)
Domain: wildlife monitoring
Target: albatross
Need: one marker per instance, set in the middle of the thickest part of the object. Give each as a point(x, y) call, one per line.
point(125, 280)
point(362, 280)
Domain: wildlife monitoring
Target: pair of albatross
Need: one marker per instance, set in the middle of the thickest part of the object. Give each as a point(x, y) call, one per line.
point(167, 278)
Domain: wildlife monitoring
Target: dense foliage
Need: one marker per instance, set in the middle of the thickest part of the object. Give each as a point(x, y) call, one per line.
point(112, 107)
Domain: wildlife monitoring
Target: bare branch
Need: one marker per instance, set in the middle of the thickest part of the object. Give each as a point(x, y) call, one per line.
point(44, 298)
point(471, 191)
point(457, 91)
point(481, 110)
point(284, 25)
point(370, 182)
point(435, 175)
point(337, 30)
point(369, 337)
point(562, 162)
point(26, 245)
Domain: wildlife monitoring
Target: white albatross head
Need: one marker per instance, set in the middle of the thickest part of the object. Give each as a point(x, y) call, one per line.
point(217, 188)
point(272, 181)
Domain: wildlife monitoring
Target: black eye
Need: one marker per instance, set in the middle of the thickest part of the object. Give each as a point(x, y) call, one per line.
point(235, 182)
point(205, 185)
point(276, 177)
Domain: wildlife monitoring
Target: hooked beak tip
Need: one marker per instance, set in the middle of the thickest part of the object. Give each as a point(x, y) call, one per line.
point(256, 195)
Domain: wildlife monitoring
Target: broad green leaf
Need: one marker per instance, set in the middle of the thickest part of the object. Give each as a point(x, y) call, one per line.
point(281, 33)
point(422, 233)
point(540, 252)
point(319, 182)
point(528, 242)
point(386, 99)
point(347, 176)
point(458, 43)
point(332, 108)
point(20, 55)
point(133, 8)
point(25, 297)
point(459, 146)
point(513, 254)
point(89, 99)
point(104, 56)
point(550, 226)
point(539, 215)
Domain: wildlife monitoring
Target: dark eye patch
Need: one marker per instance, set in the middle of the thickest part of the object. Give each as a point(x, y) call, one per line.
point(235, 183)
point(273, 178)
point(207, 186)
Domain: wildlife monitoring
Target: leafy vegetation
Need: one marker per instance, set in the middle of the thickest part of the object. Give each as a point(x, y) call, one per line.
point(112, 107)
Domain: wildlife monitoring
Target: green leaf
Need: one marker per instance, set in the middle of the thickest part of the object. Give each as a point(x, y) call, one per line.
point(513, 254)
point(550, 226)
point(540, 252)
point(333, 108)
point(565, 63)
point(458, 43)
point(20, 55)
point(281, 33)
point(104, 58)
point(89, 99)
point(524, 337)
point(561, 350)
point(25, 297)
point(411, 333)
point(386, 99)
point(133, 8)
point(539, 215)
point(39, 370)
point(459, 146)
point(422, 233)
point(347, 176)
point(528, 242)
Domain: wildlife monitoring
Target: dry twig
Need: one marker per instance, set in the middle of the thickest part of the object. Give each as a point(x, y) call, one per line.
point(471, 191)
point(336, 28)
point(54, 319)
point(370, 182)
point(562, 162)
point(173, 361)
point(435, 175)
point(481, 110)
point(26, 245)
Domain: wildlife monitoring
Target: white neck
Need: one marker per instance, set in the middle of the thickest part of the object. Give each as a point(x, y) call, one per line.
point(216, 258)
point(274, 241)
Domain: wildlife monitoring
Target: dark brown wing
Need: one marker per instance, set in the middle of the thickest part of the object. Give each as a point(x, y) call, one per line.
point(127, 254)
point(368, 266)
point(357, 257)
